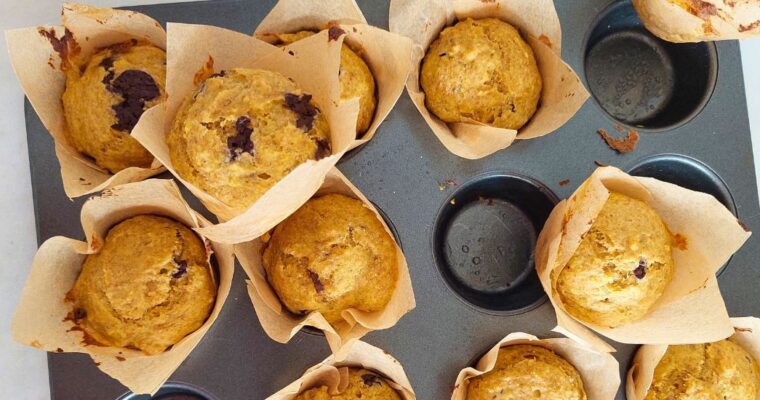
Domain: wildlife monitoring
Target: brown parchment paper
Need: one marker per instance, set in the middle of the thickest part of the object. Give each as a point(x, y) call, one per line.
point(388, 55)
point(39, 319)
point(333, 373)
point(196, 51)
point(691, 310)
point(639, 379)
point(599, 370)
point(700, 20)
point(281, 325)
point(563, 93)
point(41, 72)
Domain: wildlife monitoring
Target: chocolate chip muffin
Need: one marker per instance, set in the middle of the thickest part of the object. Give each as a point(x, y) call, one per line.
point(527, 372)
point(242, 131)
point(721, 371)
point(362, 384)
point(149, 286)
point(481, 71)
point(330, 255)
point(621, 267)
point(105, 98)
point(356, 79)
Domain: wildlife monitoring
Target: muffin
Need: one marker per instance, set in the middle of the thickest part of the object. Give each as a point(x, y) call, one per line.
point(527, 372)
point(362, 384)
point(356, 80)
point(621, 267)
point(105, 98)
point(482, 71)
point(149, 286)
point(330, 255)
point(721, 370)
point(242, 131)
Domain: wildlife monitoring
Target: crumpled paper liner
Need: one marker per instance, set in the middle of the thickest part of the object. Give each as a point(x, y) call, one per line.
point(197, 51)
point(333, 373)
point(388, 55)
point(281, 325)
point(599, 370)
point(703, 20)
point(746, 332)
point(691, 310)
point(40, 317)
point(563, 93)
point(41, 72)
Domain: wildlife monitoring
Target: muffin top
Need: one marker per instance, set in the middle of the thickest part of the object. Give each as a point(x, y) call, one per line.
point(356, 80)
point(362, 384)
point(711, 371)
point(105, 98)
point(242, 131)
point(621, 267)
point(330, 255)
point(527, 372)
point(149, 286)
point(482, 71)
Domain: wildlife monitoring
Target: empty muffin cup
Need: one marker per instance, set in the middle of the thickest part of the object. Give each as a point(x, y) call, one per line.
point(173, 391)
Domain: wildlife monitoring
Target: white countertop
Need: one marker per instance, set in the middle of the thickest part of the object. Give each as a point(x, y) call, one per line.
point(23, 370)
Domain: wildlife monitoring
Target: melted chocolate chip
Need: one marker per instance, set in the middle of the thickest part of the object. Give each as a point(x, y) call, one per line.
point(301, 105)
point(334, 33)
point(241, 141)
point(79, 313)
point(318, 286)
point(323, 149)
point(181, 269)
point(135, 87)
point(220, 74)
point(641, 271)
point(370, 379)
point(107, 64)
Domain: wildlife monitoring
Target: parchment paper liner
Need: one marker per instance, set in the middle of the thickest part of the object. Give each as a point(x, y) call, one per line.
point(563, 93)
point(281, 325)
point(719, 20)
point(38, 68)
point(39, 317)
point(691, 310)
point(639, 379)
point(599, 370)
point(196, 51)
point(334, 373)
point(387, 54)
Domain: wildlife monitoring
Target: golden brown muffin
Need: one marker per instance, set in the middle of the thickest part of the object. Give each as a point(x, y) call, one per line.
point(527, 372)
point(481, 70)
point(621, 267)
point(711, 371)
point(104, 100)
point(356, 80)
point(330, 255)
point(149, 286)
point(242, 131)
point(362, 384)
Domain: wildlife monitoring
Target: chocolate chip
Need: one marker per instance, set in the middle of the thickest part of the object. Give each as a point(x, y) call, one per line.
point(220, 74)
point(323, 149)
point(135, 88)
point(334, 33)
point(241, 142)
point(318, 286)
point(107, 63)
point(370, 379)
point(79, 313)
point(181, 269)
point(641, 271)
point(301, 105)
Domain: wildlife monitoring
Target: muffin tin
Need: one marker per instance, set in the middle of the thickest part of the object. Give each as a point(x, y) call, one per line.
point(441, 205)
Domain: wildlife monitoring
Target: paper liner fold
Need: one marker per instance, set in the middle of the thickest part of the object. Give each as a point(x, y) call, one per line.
point(41, 73)
point(563, 93)
point(281, 325)
point(746, 332)
point(312, 63)
point(40, 317)
point(691, 310)
point(599, 370)
point(699, 21)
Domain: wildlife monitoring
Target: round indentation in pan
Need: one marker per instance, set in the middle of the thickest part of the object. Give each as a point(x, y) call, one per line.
point(484, 240)
point(173, 391)
point(642, 81)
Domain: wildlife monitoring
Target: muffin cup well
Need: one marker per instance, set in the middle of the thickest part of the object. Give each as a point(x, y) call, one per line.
point(562, 94)
point(691, 310)
point(708, 20)
point(333, 373)
point(40, 65)
point(639, 379)
point(40, 319)
point(196, 52)
point(388, 55)
point(281, 325)
point(599, 370)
